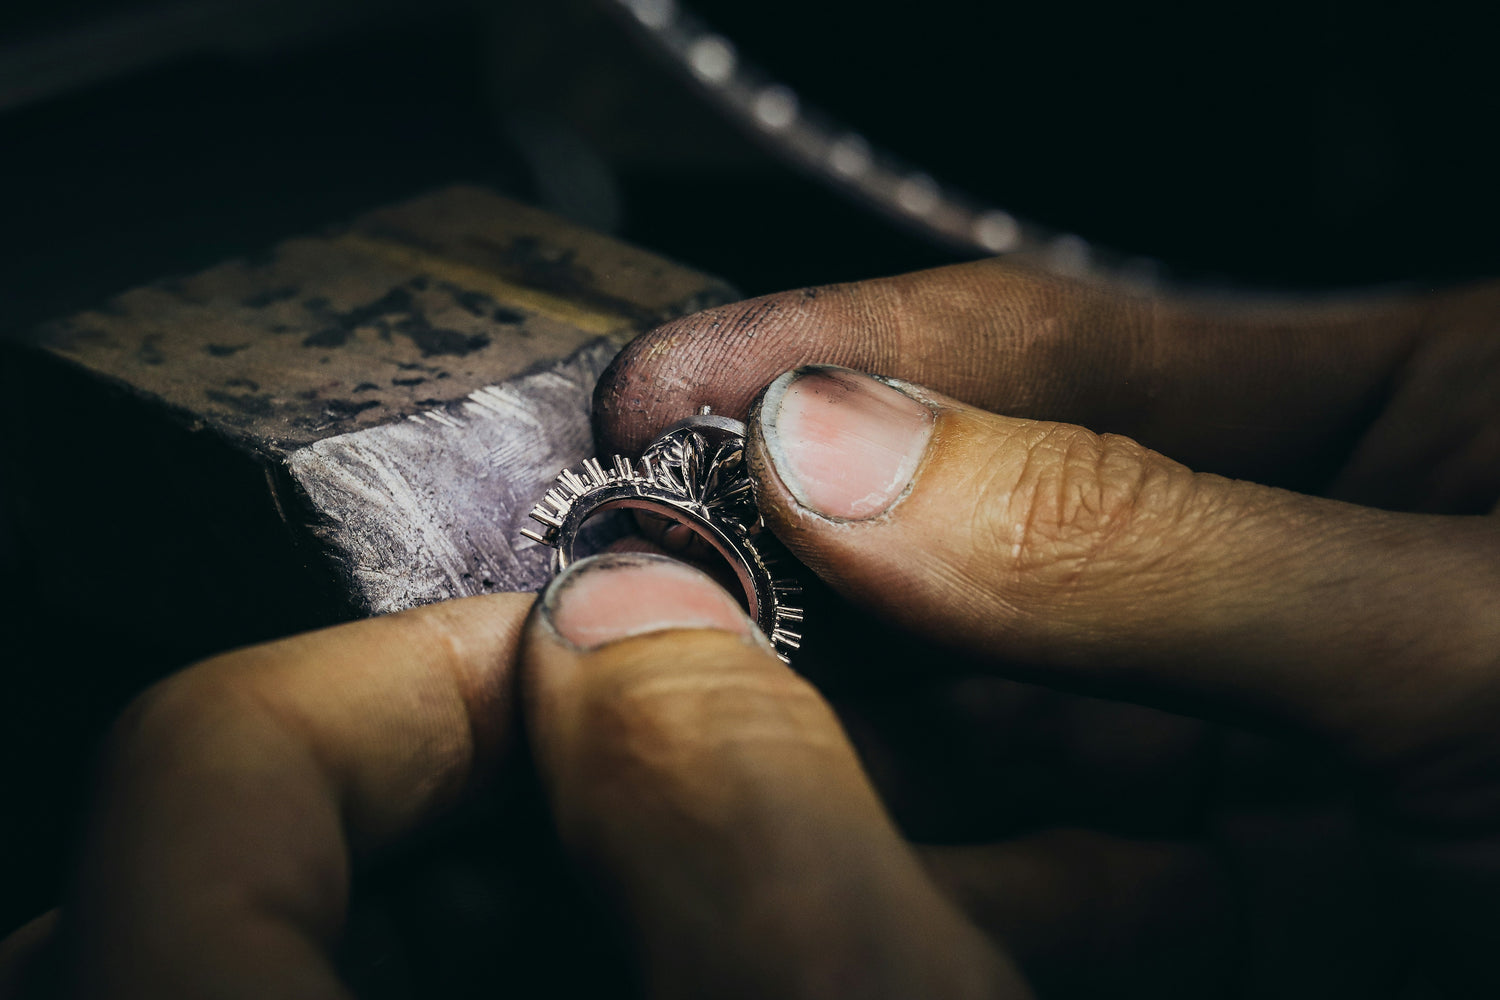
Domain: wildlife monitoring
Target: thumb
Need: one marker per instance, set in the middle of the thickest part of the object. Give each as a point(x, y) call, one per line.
point(1118, 570)
point(719, 803)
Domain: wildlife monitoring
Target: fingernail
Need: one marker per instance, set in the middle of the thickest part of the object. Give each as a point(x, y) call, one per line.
point(609, 597)
point(846, 445)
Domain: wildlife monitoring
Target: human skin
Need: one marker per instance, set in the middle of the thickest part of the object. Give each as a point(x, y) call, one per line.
point(1087, 540)
point(1386, 401)
point(1053, 545)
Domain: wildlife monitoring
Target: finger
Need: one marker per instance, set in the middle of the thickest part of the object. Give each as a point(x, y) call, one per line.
point(1435, 445)
point(1088, 914)
point(1253, 389)
point(28, 959)
point(1119, 570)
point(235, 794)
point(974, 758)
point(677, 539)
point(983, 758)
point(715, 796)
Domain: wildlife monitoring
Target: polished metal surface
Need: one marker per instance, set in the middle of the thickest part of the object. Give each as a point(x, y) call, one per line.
point(694, 474)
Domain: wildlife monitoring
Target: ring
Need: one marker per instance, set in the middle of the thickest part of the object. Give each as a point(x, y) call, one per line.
point(694, 474)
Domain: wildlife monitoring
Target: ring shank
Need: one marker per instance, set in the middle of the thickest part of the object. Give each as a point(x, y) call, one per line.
point(754, 576)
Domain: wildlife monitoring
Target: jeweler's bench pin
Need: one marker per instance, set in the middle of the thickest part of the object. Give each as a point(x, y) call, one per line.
point(694, 474)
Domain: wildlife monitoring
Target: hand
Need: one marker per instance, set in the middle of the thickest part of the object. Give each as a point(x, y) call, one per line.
point(710, 791)
point(717, 799)
point(235, 797)
point(1386, 400)
point(707, 788)
point(1045, 551)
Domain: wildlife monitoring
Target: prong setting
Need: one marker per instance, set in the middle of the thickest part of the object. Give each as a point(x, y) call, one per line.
point(695, 474)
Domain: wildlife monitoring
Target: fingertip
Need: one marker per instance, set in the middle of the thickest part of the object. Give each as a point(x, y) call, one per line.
point(616, 412)
point(721, 357)
point(620, 595)
point(610, 619)
point(654, 382)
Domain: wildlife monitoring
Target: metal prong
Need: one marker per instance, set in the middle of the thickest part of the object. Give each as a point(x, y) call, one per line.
point(693, 474)
point(737, 490)
point(541, 515)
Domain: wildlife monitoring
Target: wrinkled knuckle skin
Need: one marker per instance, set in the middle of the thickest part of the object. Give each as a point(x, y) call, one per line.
point(1070, 509)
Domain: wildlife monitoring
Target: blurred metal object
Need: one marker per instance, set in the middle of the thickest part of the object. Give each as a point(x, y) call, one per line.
point(841, 157)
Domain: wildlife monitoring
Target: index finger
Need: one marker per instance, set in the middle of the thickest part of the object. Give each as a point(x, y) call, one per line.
point(1252, 389)
point(235, 794)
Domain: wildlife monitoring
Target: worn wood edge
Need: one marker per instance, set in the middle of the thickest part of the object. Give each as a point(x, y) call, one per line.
point(411, 307)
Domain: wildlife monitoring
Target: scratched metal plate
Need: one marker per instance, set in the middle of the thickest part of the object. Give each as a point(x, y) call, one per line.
point(463, 478)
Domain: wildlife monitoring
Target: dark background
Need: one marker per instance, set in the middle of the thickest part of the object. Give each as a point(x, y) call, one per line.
point(1274, 145)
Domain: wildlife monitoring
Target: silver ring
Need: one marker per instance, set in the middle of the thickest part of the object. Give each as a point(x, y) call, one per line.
point(694, 474)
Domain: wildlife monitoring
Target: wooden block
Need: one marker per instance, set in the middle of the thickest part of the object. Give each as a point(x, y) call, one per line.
point(355, 423)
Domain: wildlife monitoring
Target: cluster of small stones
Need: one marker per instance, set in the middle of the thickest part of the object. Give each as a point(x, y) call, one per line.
point(659, 478)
